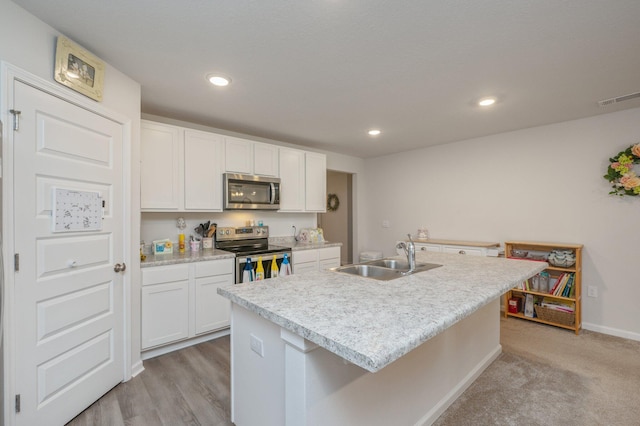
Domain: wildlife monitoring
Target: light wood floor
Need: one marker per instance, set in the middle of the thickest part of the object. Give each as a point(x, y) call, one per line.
point(598, 375)
point(186, 387)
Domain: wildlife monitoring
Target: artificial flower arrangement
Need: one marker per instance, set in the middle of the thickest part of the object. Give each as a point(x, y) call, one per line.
point(623, 179)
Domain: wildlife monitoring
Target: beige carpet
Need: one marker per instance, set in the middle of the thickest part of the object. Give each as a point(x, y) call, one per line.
point(549, 376)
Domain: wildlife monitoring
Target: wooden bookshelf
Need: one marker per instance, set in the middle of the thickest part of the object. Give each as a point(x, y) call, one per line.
point(563, 320)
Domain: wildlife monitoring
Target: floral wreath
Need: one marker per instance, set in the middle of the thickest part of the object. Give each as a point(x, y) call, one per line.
point(623, 179)
point(332, 202)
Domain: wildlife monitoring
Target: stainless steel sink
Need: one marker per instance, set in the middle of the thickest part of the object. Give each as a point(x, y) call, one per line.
point(369, 271)
point(384, 269)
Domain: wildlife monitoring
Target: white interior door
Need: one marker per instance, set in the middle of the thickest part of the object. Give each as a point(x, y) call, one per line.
point(68, 298)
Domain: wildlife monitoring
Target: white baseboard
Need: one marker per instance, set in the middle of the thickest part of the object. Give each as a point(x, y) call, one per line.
point(152, 353)
point(459, 389)
point(611, 331)
point(136, 369)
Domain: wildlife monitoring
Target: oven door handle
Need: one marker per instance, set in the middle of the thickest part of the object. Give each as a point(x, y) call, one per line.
point(265, 257)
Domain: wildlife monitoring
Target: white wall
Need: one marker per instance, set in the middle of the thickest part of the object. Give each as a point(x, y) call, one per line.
point(538, 184)
point(156, 226)
point(29, 44)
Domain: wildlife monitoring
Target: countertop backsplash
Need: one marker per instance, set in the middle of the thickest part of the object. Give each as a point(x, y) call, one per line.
point(158, 226)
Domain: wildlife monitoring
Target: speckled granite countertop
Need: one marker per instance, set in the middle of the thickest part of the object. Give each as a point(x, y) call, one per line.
point(187, 257)
point(373, 323)
point(297, 245)
point(214, 254)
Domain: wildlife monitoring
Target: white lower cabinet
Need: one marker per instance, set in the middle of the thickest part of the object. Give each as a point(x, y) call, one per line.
point(212, 310)
point(315, 259)
point(471, 251)
point(165, 313)
point(468, 248)
point(329, 258)
point(181, 301)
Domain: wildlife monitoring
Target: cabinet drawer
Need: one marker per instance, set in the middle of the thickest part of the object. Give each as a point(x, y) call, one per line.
point(214, 267)
point(305, 256)
point(301, 268)
point(329, 263)
point(426, 247)
point(165, 274)
point(470, 251)
point(329, 253)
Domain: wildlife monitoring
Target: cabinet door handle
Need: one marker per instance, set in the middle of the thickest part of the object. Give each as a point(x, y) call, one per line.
point(462, 252)
point(423, 248)
point(119, 267)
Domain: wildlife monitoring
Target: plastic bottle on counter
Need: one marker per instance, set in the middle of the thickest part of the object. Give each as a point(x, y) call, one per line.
point(247, 273)
point(285, 268)
point(274, 267)
point(259, 270)
point(181, 243)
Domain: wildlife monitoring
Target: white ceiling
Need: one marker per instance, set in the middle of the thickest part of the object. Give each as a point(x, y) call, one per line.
point(320, 73)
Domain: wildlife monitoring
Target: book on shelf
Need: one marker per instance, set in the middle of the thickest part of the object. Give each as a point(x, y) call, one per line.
point(567, 289)
point(556, 284)
point(558, 305)
point(561, 284)
point(528, 306)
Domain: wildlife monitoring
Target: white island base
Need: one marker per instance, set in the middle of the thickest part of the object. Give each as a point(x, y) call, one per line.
point(298, 383)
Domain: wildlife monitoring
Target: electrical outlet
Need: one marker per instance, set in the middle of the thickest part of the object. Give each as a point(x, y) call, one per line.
point(592, 291)
point(256, 345)
point(385, 224)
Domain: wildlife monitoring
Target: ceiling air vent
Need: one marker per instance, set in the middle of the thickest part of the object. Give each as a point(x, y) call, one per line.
point(612, 101)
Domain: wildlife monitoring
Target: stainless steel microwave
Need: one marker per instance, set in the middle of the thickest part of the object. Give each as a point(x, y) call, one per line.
point(248, 192)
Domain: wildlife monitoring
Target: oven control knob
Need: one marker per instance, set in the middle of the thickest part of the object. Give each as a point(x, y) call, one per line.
point(226, 232)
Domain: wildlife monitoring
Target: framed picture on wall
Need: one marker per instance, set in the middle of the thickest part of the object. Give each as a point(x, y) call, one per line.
point(78, 69)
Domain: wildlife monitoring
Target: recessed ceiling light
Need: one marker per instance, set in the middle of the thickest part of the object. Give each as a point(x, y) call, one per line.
point(218, 80)
point(487, 101)
point(374, 132)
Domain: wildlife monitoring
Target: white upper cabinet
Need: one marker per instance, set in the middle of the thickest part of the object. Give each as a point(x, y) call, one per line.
point(161, 166)
point(315, 182)
point(180, 169)
point(303, 177)
point(265, 159)
point(251, 158)
point(203, 159)
point(292, 178)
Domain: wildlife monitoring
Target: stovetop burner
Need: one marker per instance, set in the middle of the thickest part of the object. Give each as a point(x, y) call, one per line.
point(247, 241)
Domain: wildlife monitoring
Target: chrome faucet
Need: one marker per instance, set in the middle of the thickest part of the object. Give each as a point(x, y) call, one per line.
point(410, 251)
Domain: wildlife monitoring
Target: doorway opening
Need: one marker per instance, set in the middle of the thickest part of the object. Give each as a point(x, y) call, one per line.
point(337, 225)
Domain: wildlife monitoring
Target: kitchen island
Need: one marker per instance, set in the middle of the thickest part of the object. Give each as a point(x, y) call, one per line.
point(330, 348)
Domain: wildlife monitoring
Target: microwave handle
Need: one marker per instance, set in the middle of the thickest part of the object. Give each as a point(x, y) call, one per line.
point(273, 193)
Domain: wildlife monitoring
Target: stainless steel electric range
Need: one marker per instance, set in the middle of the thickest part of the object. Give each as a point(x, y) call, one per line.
point(248, 243)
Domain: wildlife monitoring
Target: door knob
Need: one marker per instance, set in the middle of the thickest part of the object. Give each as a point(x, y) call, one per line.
point(119, 267)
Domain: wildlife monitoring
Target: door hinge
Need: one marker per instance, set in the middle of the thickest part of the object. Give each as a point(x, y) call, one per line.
point(17, 403)
point(16, 262)
point(16, 119)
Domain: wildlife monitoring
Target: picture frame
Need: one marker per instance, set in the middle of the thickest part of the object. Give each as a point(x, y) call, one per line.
point(78, 69)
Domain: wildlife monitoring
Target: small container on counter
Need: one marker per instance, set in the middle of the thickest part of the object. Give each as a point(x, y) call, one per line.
point(207, 243)
point(181, 245)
